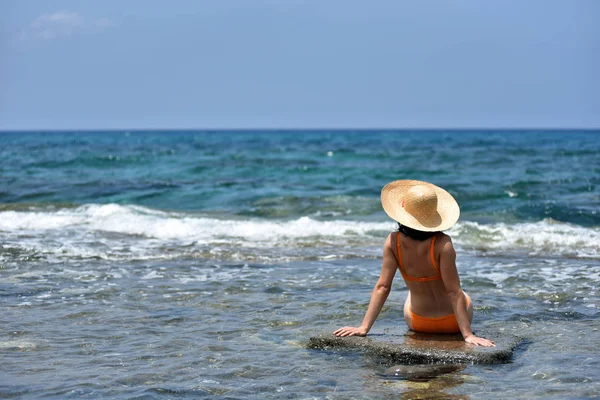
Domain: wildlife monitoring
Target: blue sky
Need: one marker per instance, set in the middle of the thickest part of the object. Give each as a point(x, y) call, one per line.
point(299, 64)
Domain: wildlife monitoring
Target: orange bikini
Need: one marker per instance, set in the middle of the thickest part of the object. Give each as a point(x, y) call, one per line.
point(444, 324)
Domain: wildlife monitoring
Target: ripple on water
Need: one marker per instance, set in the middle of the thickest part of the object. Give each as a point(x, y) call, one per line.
point(194, 331)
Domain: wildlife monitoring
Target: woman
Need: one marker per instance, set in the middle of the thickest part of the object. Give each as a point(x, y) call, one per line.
point(426, 259)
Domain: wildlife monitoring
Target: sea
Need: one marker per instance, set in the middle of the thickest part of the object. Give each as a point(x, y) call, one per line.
point(192, 264)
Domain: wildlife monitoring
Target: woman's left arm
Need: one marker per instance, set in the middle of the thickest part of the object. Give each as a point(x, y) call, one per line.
point(457, 296)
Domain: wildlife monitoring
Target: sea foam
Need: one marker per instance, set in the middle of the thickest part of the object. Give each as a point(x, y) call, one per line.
point(112, 230)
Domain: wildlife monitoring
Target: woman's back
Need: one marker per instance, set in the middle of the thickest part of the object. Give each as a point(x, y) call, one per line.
point(419, 263)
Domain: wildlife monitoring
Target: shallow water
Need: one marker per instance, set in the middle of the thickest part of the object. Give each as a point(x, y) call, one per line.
point(126, 298)
point(189, 328)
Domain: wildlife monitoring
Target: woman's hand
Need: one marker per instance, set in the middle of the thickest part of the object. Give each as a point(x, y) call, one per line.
point(477, 341)
point(350, 331)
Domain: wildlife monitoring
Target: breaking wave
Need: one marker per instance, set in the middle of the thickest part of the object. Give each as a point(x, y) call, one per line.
point(112, 231)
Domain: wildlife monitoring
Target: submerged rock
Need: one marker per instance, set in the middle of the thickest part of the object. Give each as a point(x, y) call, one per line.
point(421, 372)
point(419, 348)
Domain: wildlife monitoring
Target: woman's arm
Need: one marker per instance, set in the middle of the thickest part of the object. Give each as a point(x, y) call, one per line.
point(457, 296)
point(378, 297)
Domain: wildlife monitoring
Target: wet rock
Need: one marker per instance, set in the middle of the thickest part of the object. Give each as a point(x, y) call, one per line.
point(418, 348)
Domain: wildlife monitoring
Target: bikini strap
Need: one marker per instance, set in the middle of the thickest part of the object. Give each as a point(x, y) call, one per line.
point(432, 255)
point(399, 249)
point(411, 278)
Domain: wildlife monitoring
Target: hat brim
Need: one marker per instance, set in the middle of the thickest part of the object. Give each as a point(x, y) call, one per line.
point(393, 193)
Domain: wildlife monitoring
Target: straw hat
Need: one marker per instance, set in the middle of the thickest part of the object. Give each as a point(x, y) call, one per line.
point(419, 205)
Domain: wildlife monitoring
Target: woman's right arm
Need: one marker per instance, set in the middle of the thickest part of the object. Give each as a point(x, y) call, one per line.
point(379, 296)
point(457, 297)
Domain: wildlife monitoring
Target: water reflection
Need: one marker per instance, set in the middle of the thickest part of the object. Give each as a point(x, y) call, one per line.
point(425, 381)
point(421, 372)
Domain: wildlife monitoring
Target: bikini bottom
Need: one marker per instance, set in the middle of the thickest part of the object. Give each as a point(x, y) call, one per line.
point(444, 324)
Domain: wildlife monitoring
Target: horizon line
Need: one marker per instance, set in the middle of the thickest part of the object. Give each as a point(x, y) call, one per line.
point(306, 129)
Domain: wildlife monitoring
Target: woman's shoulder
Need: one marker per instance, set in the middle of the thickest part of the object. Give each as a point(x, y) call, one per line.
point(443, 237)
point(444, 244)
point(391, 239)
point(444, 241)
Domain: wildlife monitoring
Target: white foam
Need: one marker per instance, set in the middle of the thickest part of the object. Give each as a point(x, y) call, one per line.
point(18, 344)
point(537, 238)
point(135, 220)
point(112, 231)
point(152, 275)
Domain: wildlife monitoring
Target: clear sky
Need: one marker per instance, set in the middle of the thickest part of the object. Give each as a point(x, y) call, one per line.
point(76, 64)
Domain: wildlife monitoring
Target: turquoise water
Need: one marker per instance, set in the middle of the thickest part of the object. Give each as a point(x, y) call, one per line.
point(191, 264)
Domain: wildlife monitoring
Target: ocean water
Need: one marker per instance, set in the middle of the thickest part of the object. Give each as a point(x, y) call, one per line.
point(192, 264)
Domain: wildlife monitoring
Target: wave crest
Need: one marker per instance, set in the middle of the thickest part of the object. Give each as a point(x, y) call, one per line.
point(112, 231)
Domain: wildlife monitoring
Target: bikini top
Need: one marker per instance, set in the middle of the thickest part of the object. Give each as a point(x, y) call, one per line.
point(431, 256)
